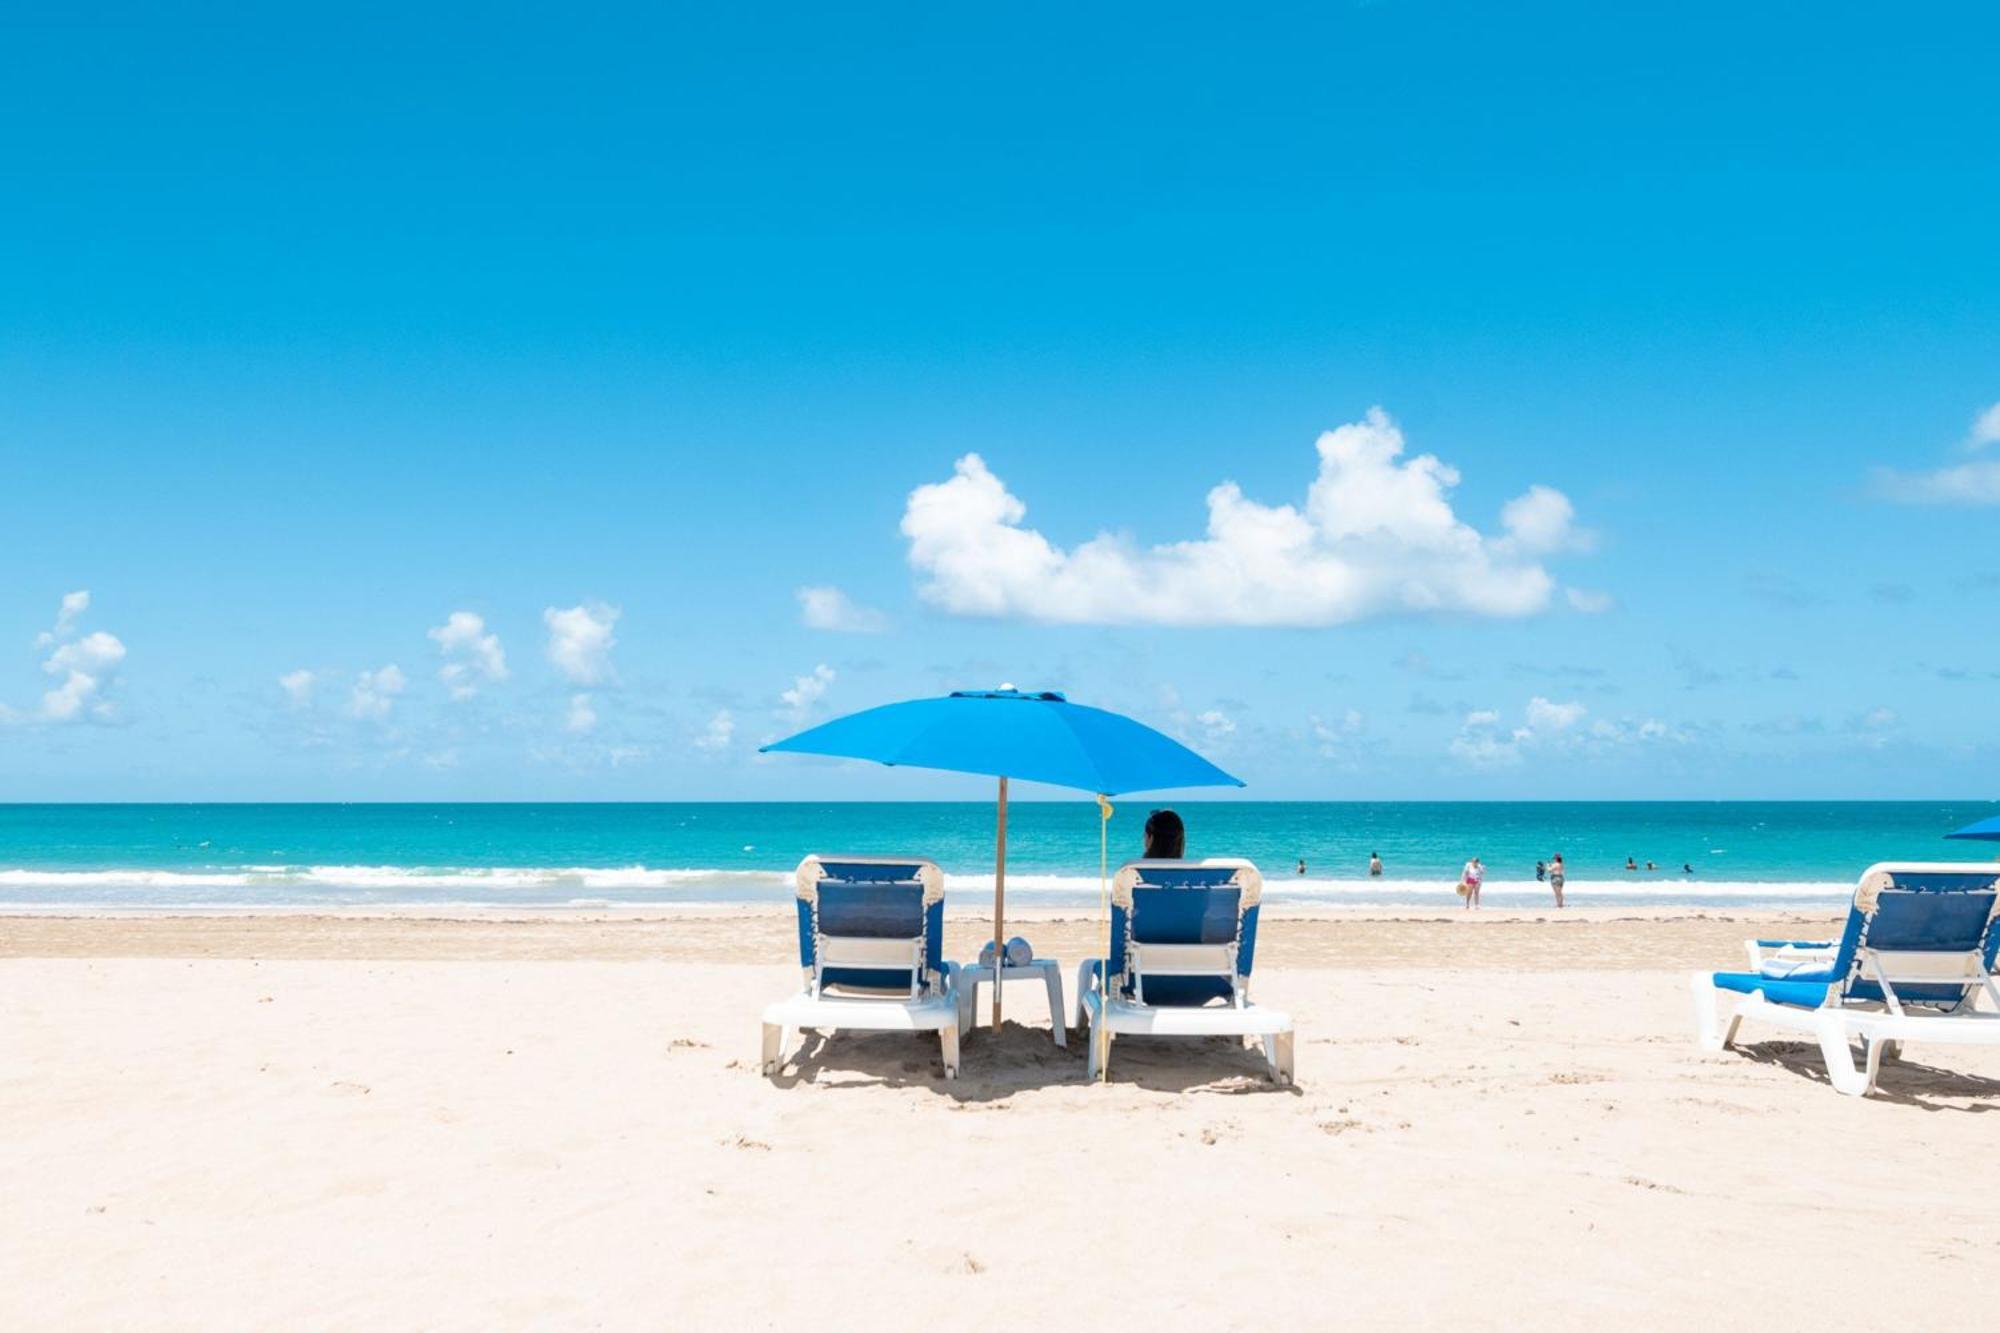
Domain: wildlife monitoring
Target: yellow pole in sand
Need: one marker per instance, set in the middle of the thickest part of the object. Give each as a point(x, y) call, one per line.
point(999, 906)
point(1103, 905)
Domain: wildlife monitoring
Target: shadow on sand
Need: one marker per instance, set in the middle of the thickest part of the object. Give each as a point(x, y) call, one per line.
point(1019, 1058)
point(1903, 1081)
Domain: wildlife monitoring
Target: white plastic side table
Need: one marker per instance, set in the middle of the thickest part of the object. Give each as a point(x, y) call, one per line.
point(971, 976)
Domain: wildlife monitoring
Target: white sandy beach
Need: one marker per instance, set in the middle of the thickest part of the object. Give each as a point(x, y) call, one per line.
point(318, 1123)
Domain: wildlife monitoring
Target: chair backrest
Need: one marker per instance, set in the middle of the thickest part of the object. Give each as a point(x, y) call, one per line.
point(854, 910)
point(1931, 929)
point(1174, 903)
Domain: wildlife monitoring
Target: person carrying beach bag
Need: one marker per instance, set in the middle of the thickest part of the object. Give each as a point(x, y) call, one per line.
point(1469, 881)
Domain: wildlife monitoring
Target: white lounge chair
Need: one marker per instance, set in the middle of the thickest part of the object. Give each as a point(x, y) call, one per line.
point(1183, 937)
point(871, 941)
point(1917, 951)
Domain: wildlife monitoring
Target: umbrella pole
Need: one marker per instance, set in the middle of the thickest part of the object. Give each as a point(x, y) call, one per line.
point(999, 906)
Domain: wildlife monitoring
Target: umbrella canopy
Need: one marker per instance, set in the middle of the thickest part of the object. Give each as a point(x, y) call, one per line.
point(1987, 830)
point(1034, 736)
point(1038, 736)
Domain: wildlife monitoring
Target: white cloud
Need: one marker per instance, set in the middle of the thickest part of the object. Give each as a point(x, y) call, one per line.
point(1334, 736)
point(1550, 727)
point(808, 689)
point(1588, 602)
point(1985, 428)
point(1543, 521)
point(1544, 715)
point(719, 732)
point(826, 607)
point(88, 667)
point(582, 715)
point(1216, 725)
point(374, 693)
point(74, 604)
point(1376, 536)
point(298, 687)
point(580, 641)
point(470, 652)
point(1973, 483)
point(1479, 744)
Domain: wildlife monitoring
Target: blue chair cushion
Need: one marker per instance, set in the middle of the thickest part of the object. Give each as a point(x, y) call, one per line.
point(1799, 994)
point(873, 910)
point(1195, 905)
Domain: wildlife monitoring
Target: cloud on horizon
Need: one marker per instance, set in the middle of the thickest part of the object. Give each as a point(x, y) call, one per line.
point(1376, 536)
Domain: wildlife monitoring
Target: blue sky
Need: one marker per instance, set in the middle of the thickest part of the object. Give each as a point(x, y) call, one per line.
point(313, 335)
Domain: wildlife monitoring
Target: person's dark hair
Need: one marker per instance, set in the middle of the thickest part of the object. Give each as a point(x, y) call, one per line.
point(1166, 836)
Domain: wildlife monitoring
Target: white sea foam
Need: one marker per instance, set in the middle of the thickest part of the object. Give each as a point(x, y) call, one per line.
point(272, 885)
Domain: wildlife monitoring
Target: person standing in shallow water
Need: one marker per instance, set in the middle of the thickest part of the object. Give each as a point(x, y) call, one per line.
point(1166, 836)
point(1469, 881)
point(1556, 877)
point(1374, 865)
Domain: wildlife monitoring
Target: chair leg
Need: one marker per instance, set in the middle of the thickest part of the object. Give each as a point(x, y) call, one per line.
point(968, 1003)
point(1086, 980)
point(774, 1040)
point(1840, 1070)
point(1711, 1034)
point(948, 1039)
point(1278, 1055)
point(1053, 976)
point(1097, 1058)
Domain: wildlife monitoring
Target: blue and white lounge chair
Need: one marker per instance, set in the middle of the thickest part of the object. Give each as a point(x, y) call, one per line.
point(1183, 936)
point(871, 941)
point(1918, 949)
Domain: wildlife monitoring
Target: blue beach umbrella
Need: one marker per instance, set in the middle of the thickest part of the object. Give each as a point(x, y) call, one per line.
point(1986, 830)
point(1037, 736)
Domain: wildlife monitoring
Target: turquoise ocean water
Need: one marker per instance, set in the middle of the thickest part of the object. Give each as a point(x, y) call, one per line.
point(164, 857)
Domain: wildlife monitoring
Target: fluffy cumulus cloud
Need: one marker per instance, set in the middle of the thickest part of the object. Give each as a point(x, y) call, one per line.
point(1485, 740)
point(298, 687)
point(1376, 535)
point(807, 690)
point(582, 715)
point(1973, 482)
point(1546, 716)
point(74, 604)
point(580, 641)
point(828, 608)
point(471, 654)
point(85, 667)
point(374, 694)
point(717, 735)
